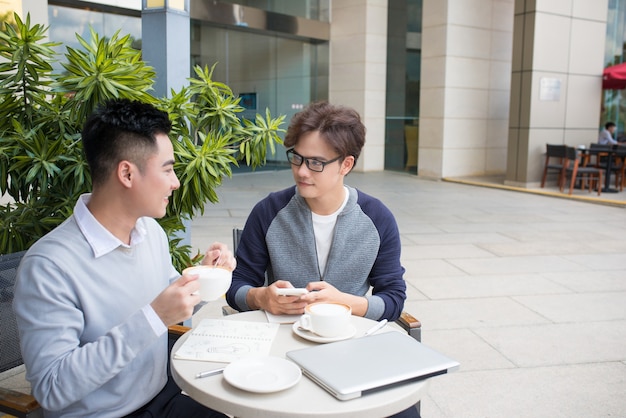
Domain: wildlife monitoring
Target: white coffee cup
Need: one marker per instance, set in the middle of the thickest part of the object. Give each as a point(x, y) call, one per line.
point(326, 319)
point(214, 281)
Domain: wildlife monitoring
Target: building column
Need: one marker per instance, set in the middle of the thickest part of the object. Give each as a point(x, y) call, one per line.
point(165, 39)
point(358, 60)
point(558, 58)
point(165, 45)
point(38, 10)
point(464, 94)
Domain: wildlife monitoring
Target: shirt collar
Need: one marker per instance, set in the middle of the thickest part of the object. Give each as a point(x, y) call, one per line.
point(99, 238)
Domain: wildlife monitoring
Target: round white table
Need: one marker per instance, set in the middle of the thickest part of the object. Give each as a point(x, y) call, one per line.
point(305, 399)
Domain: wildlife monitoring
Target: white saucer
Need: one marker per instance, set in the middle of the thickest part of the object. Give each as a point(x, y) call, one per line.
point(262, 374)
point(311, 336)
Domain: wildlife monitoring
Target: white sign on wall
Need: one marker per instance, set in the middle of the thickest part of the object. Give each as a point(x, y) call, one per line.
point(549, 89)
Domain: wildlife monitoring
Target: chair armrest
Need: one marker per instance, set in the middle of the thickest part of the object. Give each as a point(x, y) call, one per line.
point(411, 325)
point(175, 331)
point(19, 404)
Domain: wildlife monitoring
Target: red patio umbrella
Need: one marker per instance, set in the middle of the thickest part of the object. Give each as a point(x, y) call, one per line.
point(614, 77)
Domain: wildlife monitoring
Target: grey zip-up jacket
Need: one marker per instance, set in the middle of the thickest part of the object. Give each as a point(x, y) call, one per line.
point(278, 239)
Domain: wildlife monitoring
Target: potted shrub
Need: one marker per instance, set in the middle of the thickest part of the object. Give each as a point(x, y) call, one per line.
point(42, 167)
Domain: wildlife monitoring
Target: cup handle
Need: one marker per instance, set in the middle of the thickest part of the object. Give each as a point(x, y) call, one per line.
point(305, 322)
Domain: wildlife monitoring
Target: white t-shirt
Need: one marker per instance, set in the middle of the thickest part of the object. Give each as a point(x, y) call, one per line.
point(324, 228)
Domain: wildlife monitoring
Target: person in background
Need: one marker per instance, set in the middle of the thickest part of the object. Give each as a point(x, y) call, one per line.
point(333, 240)
point(606, 135)
point(94, 297)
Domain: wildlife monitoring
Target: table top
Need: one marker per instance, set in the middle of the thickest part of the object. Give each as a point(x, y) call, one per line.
point(305, 399)
point(600, 149)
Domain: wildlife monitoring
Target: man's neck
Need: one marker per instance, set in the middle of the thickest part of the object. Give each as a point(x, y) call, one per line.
point(111, 214)
point(327, 205)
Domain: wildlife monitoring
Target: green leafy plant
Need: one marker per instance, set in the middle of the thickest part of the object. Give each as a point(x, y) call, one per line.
point(42, 167)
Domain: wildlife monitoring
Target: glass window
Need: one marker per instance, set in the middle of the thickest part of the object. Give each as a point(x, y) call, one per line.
point(309, 9)
point(612, 109)
point(66, 22)
point(403, 84)
point(269, 71)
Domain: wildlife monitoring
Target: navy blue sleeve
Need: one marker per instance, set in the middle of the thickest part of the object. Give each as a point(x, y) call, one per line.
point(387, 274)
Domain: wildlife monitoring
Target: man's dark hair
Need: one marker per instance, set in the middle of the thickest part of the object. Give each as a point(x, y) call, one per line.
point(121, 129)
point(340, 126)
point(609, 125)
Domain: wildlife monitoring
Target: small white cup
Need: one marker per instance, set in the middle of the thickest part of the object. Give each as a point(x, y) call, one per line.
point(214, 281)
point(326, 319)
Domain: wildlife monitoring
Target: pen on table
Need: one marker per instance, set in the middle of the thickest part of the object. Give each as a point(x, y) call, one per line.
point(209, 373)
point(376, 327)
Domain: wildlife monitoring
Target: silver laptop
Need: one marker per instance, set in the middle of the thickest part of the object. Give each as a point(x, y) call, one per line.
point(351, 368)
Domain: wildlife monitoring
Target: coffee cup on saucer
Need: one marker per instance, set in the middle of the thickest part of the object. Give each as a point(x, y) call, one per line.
point(326, 319)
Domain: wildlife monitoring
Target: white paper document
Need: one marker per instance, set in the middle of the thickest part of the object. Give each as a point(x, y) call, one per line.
point(282, 319)
point(225, 341)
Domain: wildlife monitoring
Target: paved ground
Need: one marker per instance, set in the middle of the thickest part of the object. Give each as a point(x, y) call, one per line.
point(527, 291)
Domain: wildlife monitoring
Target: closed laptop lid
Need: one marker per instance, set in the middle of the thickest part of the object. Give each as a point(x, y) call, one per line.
point(350, 368)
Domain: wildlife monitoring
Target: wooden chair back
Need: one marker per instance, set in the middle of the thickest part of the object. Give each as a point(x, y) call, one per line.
point(555, 161)
point(575, 170)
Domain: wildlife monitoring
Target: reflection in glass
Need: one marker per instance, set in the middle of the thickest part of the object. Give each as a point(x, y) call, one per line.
point(614, 53)
point(66, 22)
point(309, 9)
point(281, 74)
point(403, 85)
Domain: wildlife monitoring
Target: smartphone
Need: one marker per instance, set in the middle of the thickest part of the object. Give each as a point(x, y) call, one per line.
point(291, 291)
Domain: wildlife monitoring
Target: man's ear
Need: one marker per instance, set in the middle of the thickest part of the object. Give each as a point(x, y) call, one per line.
point(347, 164)
point(125, 173)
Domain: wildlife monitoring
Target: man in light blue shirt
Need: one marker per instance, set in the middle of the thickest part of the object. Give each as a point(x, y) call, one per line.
point(606, 135)
point(94, 297)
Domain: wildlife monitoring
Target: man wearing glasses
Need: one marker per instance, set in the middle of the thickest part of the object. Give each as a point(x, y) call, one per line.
point(333, 240)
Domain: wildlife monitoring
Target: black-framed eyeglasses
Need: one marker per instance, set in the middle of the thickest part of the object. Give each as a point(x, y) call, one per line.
point(311, 163)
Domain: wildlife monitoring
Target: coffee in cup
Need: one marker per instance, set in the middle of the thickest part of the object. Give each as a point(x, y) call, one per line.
point(214, 281)
point(327, 319)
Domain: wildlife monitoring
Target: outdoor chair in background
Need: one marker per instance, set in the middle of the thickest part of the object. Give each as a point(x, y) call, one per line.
point(618, 168)
point(601, 151)
point(621, 173)
point(600, 160)
point(574, 170)
point(555, 161)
